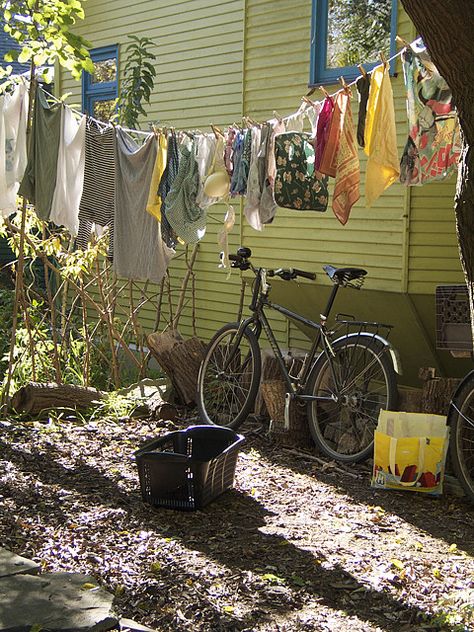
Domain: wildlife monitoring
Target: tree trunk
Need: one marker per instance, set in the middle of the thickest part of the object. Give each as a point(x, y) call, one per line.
point(446, 29)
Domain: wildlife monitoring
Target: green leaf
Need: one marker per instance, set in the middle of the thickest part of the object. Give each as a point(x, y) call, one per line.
point(25, 55)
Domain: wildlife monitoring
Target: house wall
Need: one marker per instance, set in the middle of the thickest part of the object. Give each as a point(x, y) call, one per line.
point(218, 61)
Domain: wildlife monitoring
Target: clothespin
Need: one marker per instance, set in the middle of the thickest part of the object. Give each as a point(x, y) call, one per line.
point(217, 131)
point(155, 131)
point(325, 92)
point(311, 92)
point(277, 116)
point(383, 58)
point(344, 85)
point(402, 42)
point(307, 101)
point(363, 71)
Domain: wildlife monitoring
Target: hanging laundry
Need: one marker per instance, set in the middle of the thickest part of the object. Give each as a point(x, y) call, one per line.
point(322, 130)
point(153, 205)
point(229, 150)
point(186, 218)
point(238, 182)
point(295, 122)
point(330, 148)
point(139, 251)
point(217, 183)
point(298, 185)
point(205, 154)
point(39, 180)
point(13, 151)
point(254, 190)
point(363, 88)
point(380, 137)
point(312, 114)
point(433, 147)
point(268, 207)
point(346, 186)
point(97, 206)
point(167, 179)
point(223, 239)
point(70, 172)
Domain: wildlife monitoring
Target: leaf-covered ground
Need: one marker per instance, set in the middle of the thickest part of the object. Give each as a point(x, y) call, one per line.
point(297, 545)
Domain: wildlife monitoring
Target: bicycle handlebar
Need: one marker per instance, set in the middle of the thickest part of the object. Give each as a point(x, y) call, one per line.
point(240, 260)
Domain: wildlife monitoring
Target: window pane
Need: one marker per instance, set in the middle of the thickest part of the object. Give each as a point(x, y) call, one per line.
point(105, 70)
point(357, 31)
point(103, 110)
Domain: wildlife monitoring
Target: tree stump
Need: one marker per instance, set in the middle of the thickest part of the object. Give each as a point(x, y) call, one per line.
point(35, 397)
point(180, 359)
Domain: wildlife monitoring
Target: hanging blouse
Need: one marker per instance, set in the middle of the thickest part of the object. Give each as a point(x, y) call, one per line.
point(13, 153)
point(346, 186)
point(433, 146)
point(70, 173)
point(139, 251)
point(39, 180)
point(186, 218)
point(380, 137)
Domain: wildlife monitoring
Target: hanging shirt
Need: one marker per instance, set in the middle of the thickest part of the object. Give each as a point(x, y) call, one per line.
point(346, 186)
point(380, 137)
point(70, 173)
point(13, 153)
point(39, 180)
point(322, 130)
point(205, 152)
point(154, 199)
point(254, 191)
point(186, 218)
point(363, 88)
point(97, 204)
point(433, 146)
point(139, 251)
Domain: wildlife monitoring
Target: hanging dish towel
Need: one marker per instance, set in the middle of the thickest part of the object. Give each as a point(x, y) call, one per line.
point(70, 173)
point(154, 199)
point(297, 185)
point(380, 137)
point(186, 218)
point(346, 186)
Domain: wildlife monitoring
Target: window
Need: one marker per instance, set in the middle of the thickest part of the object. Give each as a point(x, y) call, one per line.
point(345, 33)
point(100, 89)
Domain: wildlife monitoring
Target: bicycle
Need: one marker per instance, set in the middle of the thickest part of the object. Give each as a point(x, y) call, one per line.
point(461, 442)
point(344, 386)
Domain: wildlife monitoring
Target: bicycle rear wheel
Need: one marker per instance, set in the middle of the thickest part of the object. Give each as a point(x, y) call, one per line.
point(461, 442)
point(229, 377)
point(360, 383)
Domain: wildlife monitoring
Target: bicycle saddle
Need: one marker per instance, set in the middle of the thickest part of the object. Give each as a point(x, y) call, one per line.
point(345, 276)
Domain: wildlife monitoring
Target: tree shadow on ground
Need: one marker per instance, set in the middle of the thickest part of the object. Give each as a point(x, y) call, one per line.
point(446, 518)
point(231, 531)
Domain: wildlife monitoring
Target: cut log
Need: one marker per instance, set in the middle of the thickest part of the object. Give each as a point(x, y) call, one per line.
point(35, 397)
point(180, 360)
point(437, 394)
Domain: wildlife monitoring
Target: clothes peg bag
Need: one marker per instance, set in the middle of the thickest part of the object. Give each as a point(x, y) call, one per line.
point(297, 185)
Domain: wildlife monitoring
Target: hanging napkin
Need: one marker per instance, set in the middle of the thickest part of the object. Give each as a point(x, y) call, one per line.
point(346, 187)
point(380, 137)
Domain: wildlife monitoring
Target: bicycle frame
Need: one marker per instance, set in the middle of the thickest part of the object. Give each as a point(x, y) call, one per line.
point(295, 385)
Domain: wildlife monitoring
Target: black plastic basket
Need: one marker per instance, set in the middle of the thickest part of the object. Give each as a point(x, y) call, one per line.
point(453, 321)
point(187, 469)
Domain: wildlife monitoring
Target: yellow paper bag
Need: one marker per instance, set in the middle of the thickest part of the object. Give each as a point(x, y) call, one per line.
point(410, 451)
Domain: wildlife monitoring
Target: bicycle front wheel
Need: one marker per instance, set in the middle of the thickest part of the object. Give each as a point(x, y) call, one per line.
point(461, 442)
point(229, 377)
point(356, 384)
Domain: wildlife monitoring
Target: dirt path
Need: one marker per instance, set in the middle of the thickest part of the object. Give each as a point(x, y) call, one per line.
point(296, 546)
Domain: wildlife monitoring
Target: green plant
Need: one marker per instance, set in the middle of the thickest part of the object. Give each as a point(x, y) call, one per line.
point(138, 81)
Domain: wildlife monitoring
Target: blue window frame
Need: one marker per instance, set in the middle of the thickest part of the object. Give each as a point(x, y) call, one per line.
point(328, 31)
point(100, 89)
